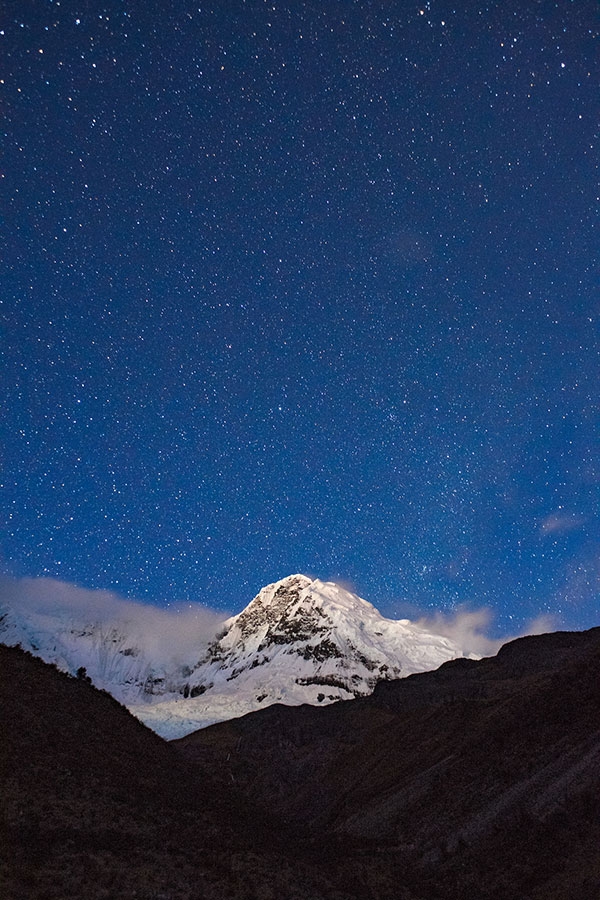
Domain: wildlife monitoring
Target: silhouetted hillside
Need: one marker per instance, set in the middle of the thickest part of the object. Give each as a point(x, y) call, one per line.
point(482, 775)
point(95, 805)
point(481, 779)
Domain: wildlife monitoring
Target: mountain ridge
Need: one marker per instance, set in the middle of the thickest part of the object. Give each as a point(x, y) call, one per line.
point(481, 778)
point(487, 770)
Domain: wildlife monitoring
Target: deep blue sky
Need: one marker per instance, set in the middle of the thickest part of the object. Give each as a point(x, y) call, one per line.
point(303, 286)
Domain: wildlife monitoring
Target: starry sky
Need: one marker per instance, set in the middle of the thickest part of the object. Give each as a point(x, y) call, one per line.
point(303, 286)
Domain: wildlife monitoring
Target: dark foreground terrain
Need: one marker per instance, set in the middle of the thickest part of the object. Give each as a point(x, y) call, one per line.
point(479, 780)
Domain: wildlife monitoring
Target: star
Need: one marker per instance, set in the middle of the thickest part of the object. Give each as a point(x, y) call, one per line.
point(303, 291)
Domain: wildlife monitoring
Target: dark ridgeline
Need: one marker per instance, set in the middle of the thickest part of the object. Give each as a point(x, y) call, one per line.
point(95, 805)
point(481, 779)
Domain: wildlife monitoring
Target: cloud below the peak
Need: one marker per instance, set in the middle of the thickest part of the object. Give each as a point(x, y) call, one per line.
point(164, 634)
point(469, 628)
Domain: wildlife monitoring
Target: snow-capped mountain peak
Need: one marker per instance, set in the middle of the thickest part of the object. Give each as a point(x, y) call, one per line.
point(300, 640)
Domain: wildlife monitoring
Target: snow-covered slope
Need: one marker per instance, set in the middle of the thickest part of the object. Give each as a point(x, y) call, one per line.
point(112, 653)
point(299, 641)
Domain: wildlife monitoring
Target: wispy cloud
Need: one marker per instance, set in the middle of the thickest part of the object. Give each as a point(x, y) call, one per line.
point(164, 634)
point(469, 628)
point(561, 522)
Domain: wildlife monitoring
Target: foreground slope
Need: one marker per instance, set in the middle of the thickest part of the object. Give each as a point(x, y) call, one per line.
point(480, 779)
point(95, 805)
point(481, 776)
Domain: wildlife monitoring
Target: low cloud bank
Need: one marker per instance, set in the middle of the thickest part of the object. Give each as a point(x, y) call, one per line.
point(180, 632)
point(165, 635)
point(468, 629)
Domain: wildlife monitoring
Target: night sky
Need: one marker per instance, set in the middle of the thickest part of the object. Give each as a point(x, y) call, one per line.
point(303, 286)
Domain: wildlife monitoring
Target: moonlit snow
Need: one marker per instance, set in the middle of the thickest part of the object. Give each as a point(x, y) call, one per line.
point(299, 641)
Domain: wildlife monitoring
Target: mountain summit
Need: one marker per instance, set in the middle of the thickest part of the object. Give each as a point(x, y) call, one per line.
point(299, 641)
